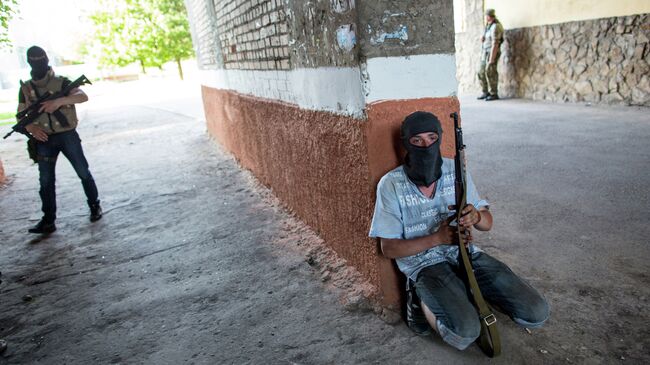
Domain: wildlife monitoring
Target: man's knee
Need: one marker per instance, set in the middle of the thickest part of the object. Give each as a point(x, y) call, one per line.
point(462, 333)
point(536, 313)
point(491, 70)
point(81, 167)
point(85, 176)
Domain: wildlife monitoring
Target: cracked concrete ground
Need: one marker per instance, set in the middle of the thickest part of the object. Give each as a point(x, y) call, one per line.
point(194, 262)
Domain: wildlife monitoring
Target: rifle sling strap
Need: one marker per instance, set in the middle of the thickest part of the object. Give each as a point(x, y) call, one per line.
point(489, 340)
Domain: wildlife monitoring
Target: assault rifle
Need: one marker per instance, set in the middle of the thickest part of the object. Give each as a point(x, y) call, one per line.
point(489, 340)
point(29, 114)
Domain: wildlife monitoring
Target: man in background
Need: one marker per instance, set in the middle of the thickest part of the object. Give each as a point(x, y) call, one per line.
point(490, 53)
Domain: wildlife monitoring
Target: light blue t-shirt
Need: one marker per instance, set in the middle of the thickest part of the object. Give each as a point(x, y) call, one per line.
point(403, 212)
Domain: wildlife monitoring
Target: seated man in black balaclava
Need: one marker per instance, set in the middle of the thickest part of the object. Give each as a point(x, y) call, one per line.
point(411, 219)
point(53, 136)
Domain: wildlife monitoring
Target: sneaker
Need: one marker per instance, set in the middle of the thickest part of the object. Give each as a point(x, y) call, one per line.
point(492, 97)
point(43, 227)
point(483, 96)
point(95, 211)
point(415, 318)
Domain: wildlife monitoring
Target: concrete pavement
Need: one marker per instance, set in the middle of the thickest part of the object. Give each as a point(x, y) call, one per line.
point(194, 262)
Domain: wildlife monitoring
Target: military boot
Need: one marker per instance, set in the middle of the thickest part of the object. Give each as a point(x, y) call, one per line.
point(43, 227)
point(492, 97)
point(483, 96)
point(95, 211)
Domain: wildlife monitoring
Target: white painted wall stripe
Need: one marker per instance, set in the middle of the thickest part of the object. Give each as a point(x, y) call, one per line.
point(411, 77)
point(331, 89)
point(345, 90)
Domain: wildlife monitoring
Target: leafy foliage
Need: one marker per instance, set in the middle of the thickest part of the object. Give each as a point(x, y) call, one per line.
point(8, 8)
point(149, 32)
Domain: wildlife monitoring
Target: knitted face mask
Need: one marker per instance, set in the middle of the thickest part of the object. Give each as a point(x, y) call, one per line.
point(423, 164)
point(37, 59)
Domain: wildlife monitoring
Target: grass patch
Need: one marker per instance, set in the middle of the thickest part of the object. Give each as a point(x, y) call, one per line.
point(7, 118)
point(7, 115)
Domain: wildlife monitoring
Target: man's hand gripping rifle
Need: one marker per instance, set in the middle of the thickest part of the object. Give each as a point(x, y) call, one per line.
point(29, 114)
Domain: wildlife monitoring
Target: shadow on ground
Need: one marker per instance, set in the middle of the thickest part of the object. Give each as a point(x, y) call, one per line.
point(194, 262)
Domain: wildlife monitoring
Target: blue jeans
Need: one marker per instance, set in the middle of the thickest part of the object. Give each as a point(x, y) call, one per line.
point(443, 291)
point(69, 144)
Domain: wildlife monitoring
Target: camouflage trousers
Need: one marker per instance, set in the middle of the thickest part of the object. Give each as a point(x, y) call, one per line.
point(488, 76)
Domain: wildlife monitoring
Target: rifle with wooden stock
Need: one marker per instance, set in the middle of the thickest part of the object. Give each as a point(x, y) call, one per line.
point(489, 340)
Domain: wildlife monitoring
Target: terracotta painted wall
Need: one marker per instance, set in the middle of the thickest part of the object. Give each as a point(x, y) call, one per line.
point(385, 152)
point(325, 184)
point(330, 186)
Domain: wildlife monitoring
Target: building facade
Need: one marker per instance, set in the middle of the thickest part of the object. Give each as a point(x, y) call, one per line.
point(309, 96)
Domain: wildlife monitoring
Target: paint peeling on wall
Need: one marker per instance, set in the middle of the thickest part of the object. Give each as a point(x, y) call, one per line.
point(342, 6)
point(388, 28)
point(387, 15)
point(324, 33)
point(365, 78)
point(401, 34)
point(346, 37)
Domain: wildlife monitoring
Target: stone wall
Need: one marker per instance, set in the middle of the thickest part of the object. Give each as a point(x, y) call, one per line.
point(598, 61)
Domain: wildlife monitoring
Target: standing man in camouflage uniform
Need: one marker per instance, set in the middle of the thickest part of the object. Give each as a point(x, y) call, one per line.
point(490, 52)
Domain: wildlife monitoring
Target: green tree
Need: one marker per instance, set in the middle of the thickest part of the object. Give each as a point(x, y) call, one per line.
point(149, 32)
point(110, 42)
point(8, 8)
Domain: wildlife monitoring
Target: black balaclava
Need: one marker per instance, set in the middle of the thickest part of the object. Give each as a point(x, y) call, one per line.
point(423, 165)
point(37, 59)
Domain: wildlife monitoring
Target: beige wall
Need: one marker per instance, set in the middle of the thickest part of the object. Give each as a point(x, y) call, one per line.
point(519, 14)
